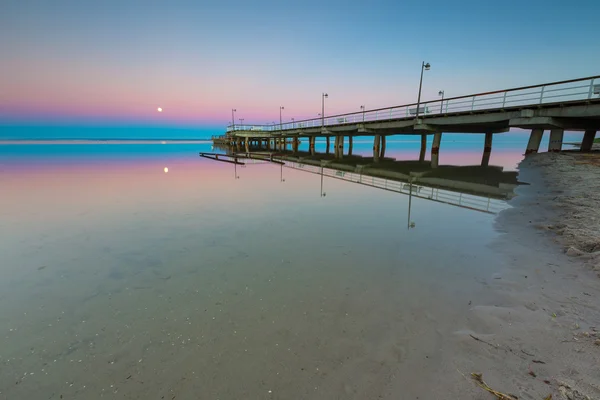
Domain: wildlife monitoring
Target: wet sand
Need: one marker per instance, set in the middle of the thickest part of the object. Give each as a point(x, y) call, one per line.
point(543, 337)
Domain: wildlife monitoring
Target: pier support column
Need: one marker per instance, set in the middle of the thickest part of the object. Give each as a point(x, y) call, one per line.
point(556, 139)
point(311, 145)
point(350, 145)
point(295, 143)
point(339, 147)
point(382, 146)
point(588, 140)
point(435, 150)
point(327, 150)
point(423, 147)
point(376, 144)
point(247, 145)
point(487, 150)
point(534, 141)
point(336, 146)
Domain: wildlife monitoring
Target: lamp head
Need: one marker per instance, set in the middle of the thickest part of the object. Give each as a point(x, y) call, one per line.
point(325, 95)
point(427, 66)
point(441, 93)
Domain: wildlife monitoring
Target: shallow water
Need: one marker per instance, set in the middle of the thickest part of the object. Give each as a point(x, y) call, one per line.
point(123, 280)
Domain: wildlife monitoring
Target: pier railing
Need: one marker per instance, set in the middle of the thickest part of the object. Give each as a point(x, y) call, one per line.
point(556, 92)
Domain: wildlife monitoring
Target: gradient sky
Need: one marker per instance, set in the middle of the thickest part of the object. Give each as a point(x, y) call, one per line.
point(115, 62)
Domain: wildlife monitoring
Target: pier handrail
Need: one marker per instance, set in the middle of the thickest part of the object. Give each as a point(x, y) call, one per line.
point(580, 89)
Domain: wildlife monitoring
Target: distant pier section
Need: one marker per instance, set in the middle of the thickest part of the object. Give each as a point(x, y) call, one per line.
point(572, 105)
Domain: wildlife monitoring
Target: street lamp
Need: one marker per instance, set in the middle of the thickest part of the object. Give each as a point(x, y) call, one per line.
point(280, 123)
point(233, 110)
point(323, 97)
point(363, 111)
point(441, 93)
point(424, 67)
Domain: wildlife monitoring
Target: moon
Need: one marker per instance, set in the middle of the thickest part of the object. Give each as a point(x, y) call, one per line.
point(159, 109)
point(166, 169)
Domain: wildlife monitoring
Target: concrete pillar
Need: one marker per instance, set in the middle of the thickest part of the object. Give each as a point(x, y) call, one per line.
point(336, 147)
point(311, 145)
point(423, 147)
point(350, 145)
point(247, 145)
point(487, 150)
point(534, 141)
point(339, 146)
point(327, 151)
point(556, 138)
point(295, 143)
point(435, 149)
point(376, 144)
point(382, 146)
point(588, 140)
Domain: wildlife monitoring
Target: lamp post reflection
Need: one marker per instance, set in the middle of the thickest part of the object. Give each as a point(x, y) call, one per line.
point(322, 193)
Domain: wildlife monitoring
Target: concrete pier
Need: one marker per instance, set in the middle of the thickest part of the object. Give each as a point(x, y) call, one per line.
point(382, 146)
point(247, 145)
point(328, 145)
point(487, 150)
point(350, 145)
point(534, 140)
point(435, 149)
point(556, 139)
point(588, 140)
point(311, 145)
point(423, 147)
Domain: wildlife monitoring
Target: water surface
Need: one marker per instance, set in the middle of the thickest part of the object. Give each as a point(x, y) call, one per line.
point(123, 280)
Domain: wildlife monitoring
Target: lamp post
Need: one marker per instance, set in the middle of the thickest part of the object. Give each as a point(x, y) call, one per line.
point(280, 121)
point(323, 97)
point(241, 123)
point(441, 93)
point(424, 67)
point(233, 110)
point(363, 111)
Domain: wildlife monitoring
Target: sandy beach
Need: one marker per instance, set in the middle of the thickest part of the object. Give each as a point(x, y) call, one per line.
point(543, 337)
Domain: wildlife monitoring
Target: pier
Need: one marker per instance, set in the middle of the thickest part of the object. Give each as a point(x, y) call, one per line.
point(572, 105)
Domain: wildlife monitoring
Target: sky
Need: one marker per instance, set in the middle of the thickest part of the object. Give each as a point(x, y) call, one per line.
point(113, 63)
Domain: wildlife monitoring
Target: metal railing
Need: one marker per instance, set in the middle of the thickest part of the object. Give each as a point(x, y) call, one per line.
point(556, 92)
point(464, 200)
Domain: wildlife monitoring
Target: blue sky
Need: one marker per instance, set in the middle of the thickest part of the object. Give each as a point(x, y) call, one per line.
point(114, 62)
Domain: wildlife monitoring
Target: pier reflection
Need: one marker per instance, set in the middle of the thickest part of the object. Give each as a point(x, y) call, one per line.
point(481, 188)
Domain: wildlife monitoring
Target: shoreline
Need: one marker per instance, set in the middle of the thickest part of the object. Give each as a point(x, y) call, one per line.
point(542, 335)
